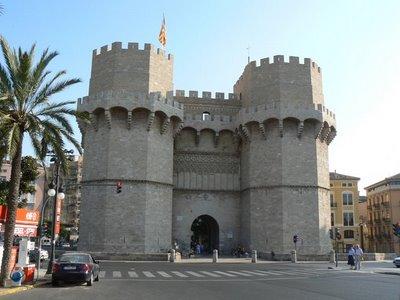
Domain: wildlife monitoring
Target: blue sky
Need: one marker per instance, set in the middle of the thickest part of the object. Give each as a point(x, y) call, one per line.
point(355, 42)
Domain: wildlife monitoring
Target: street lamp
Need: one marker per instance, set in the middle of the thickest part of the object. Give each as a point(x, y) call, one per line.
point(58, 193)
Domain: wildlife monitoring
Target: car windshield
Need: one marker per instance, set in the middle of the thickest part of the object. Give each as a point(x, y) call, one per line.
point(76, 258)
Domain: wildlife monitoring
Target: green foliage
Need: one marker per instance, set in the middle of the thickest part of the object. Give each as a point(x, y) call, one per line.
point(29, 170)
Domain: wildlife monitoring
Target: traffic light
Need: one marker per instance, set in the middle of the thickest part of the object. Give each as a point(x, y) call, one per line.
point(396, 229)
point(331, 234)
point(119, 187)
point(338, 236)
point(295, 238)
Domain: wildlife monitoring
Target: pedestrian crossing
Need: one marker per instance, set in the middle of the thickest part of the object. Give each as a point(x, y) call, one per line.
point(210, 274)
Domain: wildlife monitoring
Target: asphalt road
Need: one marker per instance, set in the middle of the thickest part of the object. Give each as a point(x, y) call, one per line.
point(123, 280)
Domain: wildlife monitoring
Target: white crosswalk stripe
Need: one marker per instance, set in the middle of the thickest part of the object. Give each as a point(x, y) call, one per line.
point(225, 274)
point(179, 274)
point(148, 274)
point(239, 273)
point(164, 274)
point(194, 274)
point(133, 274)
point(268, 272)
point(254, 273)
point(210, 274)
point(102, 274)
point(117, 274)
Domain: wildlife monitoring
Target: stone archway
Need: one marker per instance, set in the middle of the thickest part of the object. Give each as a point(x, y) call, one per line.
point(205, 232)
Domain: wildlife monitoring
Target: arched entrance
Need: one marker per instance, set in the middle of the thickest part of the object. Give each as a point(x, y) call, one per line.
point(205, 232)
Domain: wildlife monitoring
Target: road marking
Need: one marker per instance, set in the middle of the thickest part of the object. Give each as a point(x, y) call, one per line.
point(164, 274)
point(210, 274)
point(102, 274)
point(179, 274)
point(133, 274)
point(253, 273)
point(148, 274)
point(194, 274)
point(268, 272)
point(225, 274)
point(117, 274)
point(239, 273)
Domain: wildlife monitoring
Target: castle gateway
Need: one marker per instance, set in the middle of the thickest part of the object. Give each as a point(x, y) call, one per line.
point(249, 168)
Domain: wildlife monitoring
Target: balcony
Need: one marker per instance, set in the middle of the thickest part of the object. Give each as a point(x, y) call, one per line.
point(387, 221)
point(386, 204)
point(377, 206)
point(333, 204)
point(369, 207)
point(369, 222)
point(377, 221)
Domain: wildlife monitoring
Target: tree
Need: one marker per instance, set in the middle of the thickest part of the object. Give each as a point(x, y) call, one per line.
point(29, 173)
point(26, 89)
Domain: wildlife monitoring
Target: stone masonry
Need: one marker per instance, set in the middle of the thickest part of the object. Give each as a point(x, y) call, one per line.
point(255, 161)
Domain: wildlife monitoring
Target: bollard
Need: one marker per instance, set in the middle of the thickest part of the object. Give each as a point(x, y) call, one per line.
point(332, 258)
point(172, 257)
point(215, 256)
point(294, 256)
point(254, 256)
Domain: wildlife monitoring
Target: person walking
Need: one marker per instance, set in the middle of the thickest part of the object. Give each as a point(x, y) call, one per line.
point(358, 254)
point(350, 257)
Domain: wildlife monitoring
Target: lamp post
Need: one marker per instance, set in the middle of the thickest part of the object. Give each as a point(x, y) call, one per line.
point(362, 225)
point(58, 197)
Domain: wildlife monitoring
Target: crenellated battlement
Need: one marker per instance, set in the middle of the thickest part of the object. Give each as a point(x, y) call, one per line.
point(130, 48)
point(205, 95)
point(280, 60)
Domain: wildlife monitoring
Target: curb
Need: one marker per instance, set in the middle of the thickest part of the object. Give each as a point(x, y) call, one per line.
point(14, 290)
point(388, 273)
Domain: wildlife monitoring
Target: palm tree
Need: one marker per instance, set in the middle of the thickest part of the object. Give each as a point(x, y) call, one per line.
point(26, 110)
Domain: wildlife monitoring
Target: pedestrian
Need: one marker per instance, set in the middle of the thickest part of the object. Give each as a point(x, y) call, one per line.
point(358, 254)
point(198, 249)
point(350, 257)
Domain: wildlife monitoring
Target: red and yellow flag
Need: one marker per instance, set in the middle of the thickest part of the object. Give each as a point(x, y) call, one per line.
point(162, 37)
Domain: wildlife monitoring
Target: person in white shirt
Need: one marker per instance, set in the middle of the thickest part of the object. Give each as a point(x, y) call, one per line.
point(358, 253)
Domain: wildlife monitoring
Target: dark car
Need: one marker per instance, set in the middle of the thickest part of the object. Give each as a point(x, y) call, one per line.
point(75, 267)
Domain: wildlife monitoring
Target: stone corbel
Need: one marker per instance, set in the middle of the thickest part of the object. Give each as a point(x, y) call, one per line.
point(262, 130)
point(93, 121)
point(197, 138)
point(245, 132)
point(280, 127)
point(331, 136)
point(150, 120)
point(178, 129)
point(216, 139)
point(129, 120)
point(165, 125)
point(325, 133)
point(319, 130)
point(108, 118)
point(300, 128)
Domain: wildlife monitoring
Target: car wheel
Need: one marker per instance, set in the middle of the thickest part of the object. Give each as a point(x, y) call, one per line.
point(54, 282)
point(90, 281)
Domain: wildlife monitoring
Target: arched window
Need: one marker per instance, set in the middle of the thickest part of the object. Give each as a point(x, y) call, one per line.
point(206, 116)
point(349, 234)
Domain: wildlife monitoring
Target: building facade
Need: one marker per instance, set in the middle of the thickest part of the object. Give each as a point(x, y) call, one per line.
point(345, 207)
point(248, 170)
point(383, 205)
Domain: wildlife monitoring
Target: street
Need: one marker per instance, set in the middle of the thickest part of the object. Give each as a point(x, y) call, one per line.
point(159, 280)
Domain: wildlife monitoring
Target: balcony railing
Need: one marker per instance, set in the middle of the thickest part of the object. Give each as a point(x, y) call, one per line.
point(386, 204)
point(377, 205)
point(387, 220)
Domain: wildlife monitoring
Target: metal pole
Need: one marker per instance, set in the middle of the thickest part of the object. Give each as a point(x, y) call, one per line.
point(40, 235)
point(53, 232)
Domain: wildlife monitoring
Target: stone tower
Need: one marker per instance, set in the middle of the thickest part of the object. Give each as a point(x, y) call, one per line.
point(285, 132)
point(130, 139)
point(249, 169)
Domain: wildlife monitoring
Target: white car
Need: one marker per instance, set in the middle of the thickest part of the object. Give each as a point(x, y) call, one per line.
point(397, 262)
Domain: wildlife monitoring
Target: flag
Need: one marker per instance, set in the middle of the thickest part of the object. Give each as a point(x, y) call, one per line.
point(162, 37)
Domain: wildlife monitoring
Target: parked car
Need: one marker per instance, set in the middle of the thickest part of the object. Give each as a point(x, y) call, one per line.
point(65, 245)
point(75, 267)
point(33, 254)
point(397, 262)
